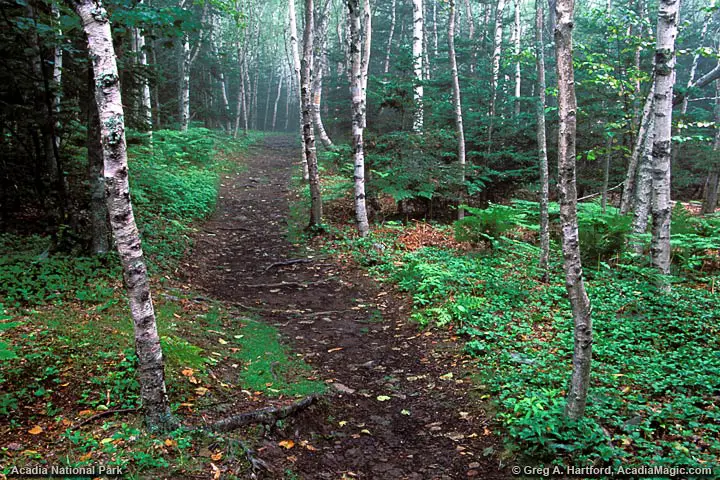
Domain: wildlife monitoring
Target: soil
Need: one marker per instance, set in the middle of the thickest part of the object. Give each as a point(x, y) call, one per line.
point(400, 402)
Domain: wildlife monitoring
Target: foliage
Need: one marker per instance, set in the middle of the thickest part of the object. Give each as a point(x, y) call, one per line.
point(488, 224)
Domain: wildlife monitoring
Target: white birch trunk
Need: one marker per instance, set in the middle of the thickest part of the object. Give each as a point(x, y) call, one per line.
point(457, 103)
point(320, 69)
point(662, 145)
point(357, 93)
point(628, 193)
point(643, 193)
point(306, 74)
point(150, 370)
point(516, 43)
point(567, 192)
point(277, 100)
point(388, 49)
point(710, 199)
point(542, 141)
point(497, 52)
point(418, 55)
point(294, 50)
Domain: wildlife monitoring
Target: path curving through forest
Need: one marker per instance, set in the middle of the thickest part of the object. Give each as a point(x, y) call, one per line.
point(400, 404)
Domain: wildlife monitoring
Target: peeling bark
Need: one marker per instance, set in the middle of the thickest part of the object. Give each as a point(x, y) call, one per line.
point(662, 145)
point(567, 192)
point(306, 73)
point(418, 56)
point(497, 51)
point(151, 367)
point(628, 193)
point(358, 94)
point(516, 45)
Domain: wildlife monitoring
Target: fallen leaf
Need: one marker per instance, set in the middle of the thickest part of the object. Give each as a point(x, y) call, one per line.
point(106, 440)
point(222, 341)
point(365, 431)
point(383, 398)
point(36, 430)
point(335, 349)
point(85, 413)
point(288, 444)
point(188, 372)
point(85, 457)
point(342, 423)
point(405, 412)
point(216, 456)
point(201, 390)
point(169, 442)
point(216, 471)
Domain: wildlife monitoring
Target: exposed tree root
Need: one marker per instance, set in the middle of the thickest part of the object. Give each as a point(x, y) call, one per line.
point(288, 262)
point(267, 416)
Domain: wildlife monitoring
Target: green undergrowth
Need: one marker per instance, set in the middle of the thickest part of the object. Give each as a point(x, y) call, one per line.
point(656, 356)
point(71, 363)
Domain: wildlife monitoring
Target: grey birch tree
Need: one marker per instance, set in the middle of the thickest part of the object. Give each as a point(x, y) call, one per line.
point(542, 140)
point(457, 102)
point(418, 55)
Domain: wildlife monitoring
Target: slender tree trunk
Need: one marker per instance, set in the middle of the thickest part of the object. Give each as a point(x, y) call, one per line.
point(296, 69)
point(151, 366)
point(57, 73)
point(662, 145)
point(388, 49)
point(606, 173)
point(418, 55)
point(542, 141)
point(643, 194)
point(457, 103)
point(277, 99)
point(497, 51)
point(471, 34)
point(711, 189)
point(696, 57)
point(289, 94)
point(306, 72)
point(184, 97)
point(320, 69)
point(435, 29)
point(267, 102)
point(357, 93)
point(516, 43)
point(628, 193)
point(145, 102)
point(99, 242)
point(158, 106)
point(567, 192)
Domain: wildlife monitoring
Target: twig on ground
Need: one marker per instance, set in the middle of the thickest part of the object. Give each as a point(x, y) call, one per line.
point(104, 414)
point(288, 262)
point(282, 284)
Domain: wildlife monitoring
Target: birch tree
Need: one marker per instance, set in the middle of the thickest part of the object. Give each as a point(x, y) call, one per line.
point(295, 52)
point(457, 102)
point(712, 183)
point(662, 145)
point(497, 51)
point(567, 192)
point(516, 44)
point(542, 140)
point(418, 54)
point(388, 49)
point(358, 95)
point(151, 368)
point(306, 72)
point(320, 61)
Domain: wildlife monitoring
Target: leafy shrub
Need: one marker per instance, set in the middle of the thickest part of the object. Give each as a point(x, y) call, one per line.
point(488, 224)
point(603, 235)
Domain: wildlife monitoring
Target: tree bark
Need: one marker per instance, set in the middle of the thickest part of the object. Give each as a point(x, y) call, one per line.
point(516, 43)
point(306, 72)
point(294, 50)
point(151, 367)
point(418, 55)
point(388, 49)
point(643, 194)
point(357, 93)
point(542, 141)
point(277, 100)
point(497, 51)
point(606, 173)
point(662, 145)
point(320, 69)
point(457, 104)
point(711, 189)
point(99, 234)
point(628, 193)
point(567, 192)
point(184, 77)
point(145, 102)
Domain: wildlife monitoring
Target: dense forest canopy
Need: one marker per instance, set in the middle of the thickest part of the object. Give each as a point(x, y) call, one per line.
point(541, 178)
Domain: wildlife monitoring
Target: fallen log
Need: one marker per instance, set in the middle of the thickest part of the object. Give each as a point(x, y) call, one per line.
point(266, 416)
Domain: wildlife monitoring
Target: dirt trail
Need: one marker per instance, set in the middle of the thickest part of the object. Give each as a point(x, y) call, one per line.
point(355, 335)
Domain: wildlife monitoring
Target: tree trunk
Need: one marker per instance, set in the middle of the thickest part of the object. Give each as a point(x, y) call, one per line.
point(418, 55)
point(306, 72)
point(388, 50)
point(277, 100)
point(99, 240)
point(151, 367)
point(662, 145)
point(457, 103)
point(606, 173)
point(643, 194)
point(628, 193)
point(542, 141)
point(267, 101)
point(516, 43)
point(435, 29)
point(711, 189)
point(497, 51)
point(184, 96)
point(320, 69)
point(296, 69)
point(471, 34)
point(357, 93)
point(567, 192)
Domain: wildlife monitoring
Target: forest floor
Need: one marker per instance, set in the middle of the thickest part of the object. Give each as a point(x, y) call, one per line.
point(399, 402)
